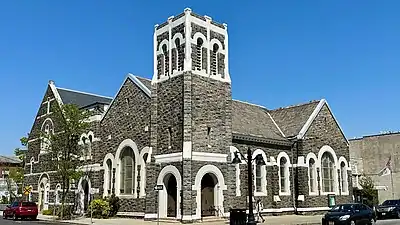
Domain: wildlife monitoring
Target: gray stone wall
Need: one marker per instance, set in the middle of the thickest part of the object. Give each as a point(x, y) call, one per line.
point(211, 111)
point(323, 131)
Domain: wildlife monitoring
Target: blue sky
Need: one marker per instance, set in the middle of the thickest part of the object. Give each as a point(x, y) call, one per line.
point(281, 53)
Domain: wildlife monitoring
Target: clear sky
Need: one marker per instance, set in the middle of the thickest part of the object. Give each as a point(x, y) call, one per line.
point(281, 53)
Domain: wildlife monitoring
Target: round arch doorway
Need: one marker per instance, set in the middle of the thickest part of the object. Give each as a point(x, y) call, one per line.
point(171, 189)
point(208, 195)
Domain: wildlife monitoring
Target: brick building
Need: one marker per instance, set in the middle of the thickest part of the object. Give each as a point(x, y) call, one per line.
point(369, 155)
point(181, 130)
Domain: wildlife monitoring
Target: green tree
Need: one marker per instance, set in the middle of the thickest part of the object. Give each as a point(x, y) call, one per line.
point(368, 192)
point(63, 146)
point(16, 174)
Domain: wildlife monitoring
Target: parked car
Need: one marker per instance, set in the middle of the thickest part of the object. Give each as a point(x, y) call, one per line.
point(350, 214)
point(21, 210)
point(388, 209)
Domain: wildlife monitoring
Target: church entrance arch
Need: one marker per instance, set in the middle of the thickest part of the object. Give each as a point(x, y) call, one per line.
point(169, 198)
point(209, 186)
point(84, 187)
point(208, 189)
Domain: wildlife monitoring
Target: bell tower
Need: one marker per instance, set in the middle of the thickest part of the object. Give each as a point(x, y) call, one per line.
point(189, 42)
point(191, 119)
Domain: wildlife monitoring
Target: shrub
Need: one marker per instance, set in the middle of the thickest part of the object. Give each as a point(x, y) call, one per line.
point(113, 201)
point(99, 208)
point(47, 212)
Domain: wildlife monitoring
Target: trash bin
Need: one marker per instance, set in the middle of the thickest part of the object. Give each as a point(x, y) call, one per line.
point(237, 217)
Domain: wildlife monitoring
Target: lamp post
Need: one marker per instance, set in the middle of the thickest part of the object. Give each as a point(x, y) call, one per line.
point(259, 162)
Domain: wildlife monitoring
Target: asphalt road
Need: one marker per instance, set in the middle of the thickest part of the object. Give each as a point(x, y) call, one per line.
point(29, 222)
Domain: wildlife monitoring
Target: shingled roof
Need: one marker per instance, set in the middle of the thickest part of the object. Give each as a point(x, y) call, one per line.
point(292, 118)
point(253, 120)
point(81, 99)
point(145, 81)
point(9, 160)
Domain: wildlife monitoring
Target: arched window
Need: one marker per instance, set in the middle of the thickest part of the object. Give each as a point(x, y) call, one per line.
point(260, 182)
point(284, 175)
point(58, 192)
point(165, 60)
point(199, 54)
point(127, 168)
point(312, 174)
point(109, 176)
point(47, 130)
point(178, 55)
point(214, 59)
point(343, 177)
point(327, 172)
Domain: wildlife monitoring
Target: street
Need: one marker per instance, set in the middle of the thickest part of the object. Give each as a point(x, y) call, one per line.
point(29, 222)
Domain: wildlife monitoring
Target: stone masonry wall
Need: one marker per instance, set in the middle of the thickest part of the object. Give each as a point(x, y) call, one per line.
point(127, 118)
point(323, 131)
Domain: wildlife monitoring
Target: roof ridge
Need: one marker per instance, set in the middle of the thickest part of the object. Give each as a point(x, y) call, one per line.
point(82, 92)
point(248, 103)
point(297, 105)
point(142, 77)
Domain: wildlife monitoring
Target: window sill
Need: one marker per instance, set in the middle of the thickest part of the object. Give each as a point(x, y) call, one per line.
point(345, 193)
point(122, 196)
point(328, 193)
point(260, 193)
point(313, 193)
point(284, 193)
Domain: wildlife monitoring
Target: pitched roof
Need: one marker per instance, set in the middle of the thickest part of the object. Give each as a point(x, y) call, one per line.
point(9, 159)
point(81, 99)
point(253, 120)
point(145, 81)
point(291, 119)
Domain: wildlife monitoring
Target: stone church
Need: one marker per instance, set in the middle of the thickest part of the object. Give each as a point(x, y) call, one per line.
point(182, 129)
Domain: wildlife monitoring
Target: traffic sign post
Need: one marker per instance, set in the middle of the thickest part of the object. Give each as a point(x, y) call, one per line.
point(158, 188)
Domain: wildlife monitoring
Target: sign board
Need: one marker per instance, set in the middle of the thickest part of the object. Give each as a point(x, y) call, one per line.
point(331, 200)
point(158, 187)
point(27, 190)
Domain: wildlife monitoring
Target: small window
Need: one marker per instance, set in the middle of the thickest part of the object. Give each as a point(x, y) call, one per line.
point(127, 101)
point(215, 48)
point(208, 136)
point(169, 137)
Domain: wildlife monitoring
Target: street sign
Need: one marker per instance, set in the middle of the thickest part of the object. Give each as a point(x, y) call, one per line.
point(158, 187)
point(27, 190)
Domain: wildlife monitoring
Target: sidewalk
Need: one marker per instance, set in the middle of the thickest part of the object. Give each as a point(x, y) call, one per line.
point(272, 220)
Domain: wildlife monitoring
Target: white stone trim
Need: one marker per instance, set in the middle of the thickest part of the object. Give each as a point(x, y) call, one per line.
point(264, 183)
point(162, 197)
point(137, 214)
point(317, 165)
point(288, 183)
point(321, 152)
point(220, 48)
point(187, 150)
point(150, 216)
point(232, 150)
point(91, 168)
point(109, 156)
point(131, 144)
point(346, 176)
point(312, 117)
point(55, 92)
point(143, 170)
point(220, 186)
point(81, 193)
point(36, 174)
point(45, 180)
point(209, 157)
point(168, 158)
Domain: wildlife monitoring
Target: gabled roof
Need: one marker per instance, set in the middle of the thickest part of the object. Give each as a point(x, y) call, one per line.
point(9, 160)
point(253, 120)
point(143, 83)
point(81, 99)
point(291, 119)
